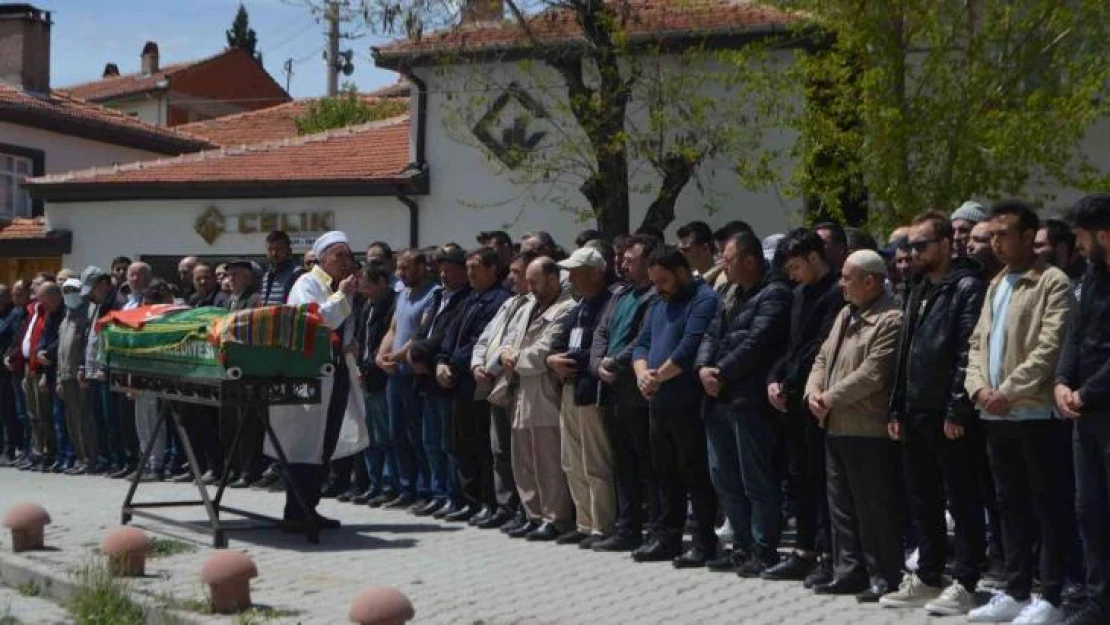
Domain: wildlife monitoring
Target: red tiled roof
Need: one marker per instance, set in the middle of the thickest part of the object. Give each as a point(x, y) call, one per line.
point(24, 229)
point(63, 113)
point(378, 151)
point(268, 124)
point(639, 19)
point(125, 84)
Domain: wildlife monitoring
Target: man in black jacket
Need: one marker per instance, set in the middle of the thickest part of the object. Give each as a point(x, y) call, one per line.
point(587, 456)
point(942, 441)
point(735, 357)
point(1083, 394)
point(624, 409)
point(10, 320)
point(817, 301)
point(375, 469)
point(436, 402)
point(470, 416)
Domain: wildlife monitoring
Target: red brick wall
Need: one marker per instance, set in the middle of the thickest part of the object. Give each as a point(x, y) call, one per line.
point(235, 78)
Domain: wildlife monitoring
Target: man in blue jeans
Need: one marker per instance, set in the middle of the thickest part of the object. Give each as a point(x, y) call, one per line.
point(96, 285)
point(375, 320)
point(406, 416)
point(736, 355)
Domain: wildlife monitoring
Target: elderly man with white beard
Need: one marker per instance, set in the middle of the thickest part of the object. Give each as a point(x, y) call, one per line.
point(312, 434)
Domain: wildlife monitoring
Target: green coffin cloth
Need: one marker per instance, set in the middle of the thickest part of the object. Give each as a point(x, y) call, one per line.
point(187, 344)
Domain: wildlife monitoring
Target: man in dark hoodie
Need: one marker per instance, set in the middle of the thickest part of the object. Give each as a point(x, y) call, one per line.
point(10, 320)
point(663, 360)
point(1082, 393)
point(933, 417)
point(736, 355)
point(816, 302)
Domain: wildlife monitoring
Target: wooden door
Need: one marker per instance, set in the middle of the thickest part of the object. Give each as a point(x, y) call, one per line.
point(12, 269)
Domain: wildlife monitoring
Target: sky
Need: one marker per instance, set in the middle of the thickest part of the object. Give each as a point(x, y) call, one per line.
point(89, 33)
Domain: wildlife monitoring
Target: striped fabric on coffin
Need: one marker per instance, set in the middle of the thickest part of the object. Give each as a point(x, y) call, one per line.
point(287, 327)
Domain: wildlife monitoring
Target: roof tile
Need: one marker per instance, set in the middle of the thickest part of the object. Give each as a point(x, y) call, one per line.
point(24, 229)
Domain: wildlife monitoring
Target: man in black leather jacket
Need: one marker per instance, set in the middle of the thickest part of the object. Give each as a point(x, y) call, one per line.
point(742, 430)
point(937, 423)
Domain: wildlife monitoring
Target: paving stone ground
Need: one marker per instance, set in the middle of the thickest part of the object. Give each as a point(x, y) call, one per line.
point(454, 575)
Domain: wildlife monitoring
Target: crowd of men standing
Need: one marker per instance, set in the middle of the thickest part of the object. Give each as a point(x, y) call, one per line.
point(620, 395)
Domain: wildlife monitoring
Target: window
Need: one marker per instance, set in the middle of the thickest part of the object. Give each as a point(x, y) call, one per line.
point(14, 201)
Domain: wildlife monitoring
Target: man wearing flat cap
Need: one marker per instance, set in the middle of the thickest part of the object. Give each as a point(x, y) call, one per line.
point(312, 434)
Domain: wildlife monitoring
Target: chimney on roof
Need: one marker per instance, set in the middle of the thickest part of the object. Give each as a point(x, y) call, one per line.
point(110, 69)
point(25, 47)
point(150, 58)
point(482, 11)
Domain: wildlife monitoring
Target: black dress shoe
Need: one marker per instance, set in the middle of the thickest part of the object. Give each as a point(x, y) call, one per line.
point(381, 499)
point(573, 537)
point(524, 530)
point(516, 523)
point(843, 586)
point(347, 495)
point(1091, 614)
point(461, 515)
point(794, 568)
point(120, 473)
point(544, 533)
point(495, 520)
point(757, 564)
point(658, 550)
point(695, 557)
point(728, 561)
point(268, 479)
point(447, 509)
point(591, 540)
point(416, 505)
point(483, 515)
point(239, 483)
point(873, 593)
point(821, 574)
point(430, 507)
point(618, 543)
point(363, 497)
point(403, 500)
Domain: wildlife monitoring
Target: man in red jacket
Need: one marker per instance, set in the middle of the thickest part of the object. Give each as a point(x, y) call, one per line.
point(25, 359)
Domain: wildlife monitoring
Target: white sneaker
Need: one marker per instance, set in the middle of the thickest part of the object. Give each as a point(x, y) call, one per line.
point(954, 600)
point(912, 593)
point(911, 562)
point(724, 532)
point(1040, 612)
point(1002, 608)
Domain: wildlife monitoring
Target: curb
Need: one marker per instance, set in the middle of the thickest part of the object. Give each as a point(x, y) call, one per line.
point(16, 571)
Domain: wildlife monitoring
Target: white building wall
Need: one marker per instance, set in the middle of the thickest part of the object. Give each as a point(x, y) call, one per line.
point(104, 230)
point(150, 108)
point(66, 153)
point(469, 186)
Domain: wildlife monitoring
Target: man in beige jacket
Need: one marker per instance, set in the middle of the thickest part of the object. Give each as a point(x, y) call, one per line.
point(1011, 369)
point(848, 391)
point(536, 449)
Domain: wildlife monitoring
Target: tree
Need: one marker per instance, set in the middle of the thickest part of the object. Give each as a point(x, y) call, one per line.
point(347, 109)
point(920, 104)
point(614, 104)
point(242, 36)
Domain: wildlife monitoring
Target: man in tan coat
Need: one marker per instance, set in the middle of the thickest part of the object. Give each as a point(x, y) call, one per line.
point(848, 391)
point(536, 450)
point(1011, 368)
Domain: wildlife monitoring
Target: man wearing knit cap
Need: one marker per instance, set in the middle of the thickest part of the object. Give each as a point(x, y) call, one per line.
point(963, 220)
point(847, 392)
point(312, 434)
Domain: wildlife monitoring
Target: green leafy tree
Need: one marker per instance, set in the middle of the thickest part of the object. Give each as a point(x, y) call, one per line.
point(920, 104)
point(625, 116)
point(242, 36)
point(347, 109)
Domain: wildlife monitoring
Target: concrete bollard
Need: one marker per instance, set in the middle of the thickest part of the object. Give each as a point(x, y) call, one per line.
point(27, 522)
point(381, 606)
point(228, 575)
point(126, 549)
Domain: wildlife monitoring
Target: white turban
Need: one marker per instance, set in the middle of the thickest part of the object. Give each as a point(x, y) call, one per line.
point(327, 240)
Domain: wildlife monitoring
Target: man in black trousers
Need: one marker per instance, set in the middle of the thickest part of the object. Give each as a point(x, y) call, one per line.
point(817, 300)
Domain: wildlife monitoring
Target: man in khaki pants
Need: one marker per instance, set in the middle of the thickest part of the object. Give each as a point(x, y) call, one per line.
point(587, 455)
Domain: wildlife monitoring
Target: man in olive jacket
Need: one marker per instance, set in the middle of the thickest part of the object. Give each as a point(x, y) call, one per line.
point(847, 392)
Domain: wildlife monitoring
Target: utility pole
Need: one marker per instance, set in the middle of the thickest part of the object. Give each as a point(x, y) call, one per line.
point(288, 67)
point(333, 48)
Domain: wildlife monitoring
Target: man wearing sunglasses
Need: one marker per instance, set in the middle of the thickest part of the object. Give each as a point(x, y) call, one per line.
point(935, 420)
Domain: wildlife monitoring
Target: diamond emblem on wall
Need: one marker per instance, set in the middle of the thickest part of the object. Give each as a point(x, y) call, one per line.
point(210, 225)
point(506, 128)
